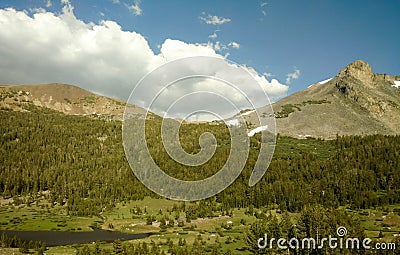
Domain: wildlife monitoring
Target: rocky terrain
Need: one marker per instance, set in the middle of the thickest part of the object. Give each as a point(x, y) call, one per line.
point(354, 102)
point(64, 98)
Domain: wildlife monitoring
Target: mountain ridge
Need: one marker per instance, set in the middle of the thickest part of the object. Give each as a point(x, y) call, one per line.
point(356, 101)
point(68, 99)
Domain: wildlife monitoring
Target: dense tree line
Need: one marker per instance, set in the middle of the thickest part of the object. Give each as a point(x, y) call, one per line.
point(82, 163)
point(197, 247)
point(314, 223)
point(360, 172)
point(79, 160)
point(24, 246)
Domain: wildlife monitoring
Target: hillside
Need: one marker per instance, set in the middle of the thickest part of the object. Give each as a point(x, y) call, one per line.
point(354, 102)
point(64, 98)
point(63, 172)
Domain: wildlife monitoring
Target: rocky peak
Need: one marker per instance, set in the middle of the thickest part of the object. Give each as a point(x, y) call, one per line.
point(359, 70)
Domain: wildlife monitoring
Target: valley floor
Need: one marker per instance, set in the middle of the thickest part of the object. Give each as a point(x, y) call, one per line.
point(226, 232)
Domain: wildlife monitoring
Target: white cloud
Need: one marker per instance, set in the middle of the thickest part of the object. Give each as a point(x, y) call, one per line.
point(267, 74)
point(213, 20)
point(174, 49)
point(48, 3)
point(274, 88)
point(234, 45)
point(102, 58)
point(292, 76)
point(115, 1)
point(218, 46)
point(37, 10)
point(213, 36)
point(263, 4)
point(135, 8)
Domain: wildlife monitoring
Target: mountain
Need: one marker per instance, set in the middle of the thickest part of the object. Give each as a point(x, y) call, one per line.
point(356, 101)
point(64, 98)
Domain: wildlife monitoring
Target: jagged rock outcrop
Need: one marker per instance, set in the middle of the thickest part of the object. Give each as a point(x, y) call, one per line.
point(356, 101)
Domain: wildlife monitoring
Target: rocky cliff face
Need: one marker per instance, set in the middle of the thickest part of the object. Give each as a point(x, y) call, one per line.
point(356, 101)
point(375, 93)
point(358, 70)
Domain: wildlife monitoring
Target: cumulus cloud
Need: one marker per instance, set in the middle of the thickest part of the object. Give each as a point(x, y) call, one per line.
point(274, 88)
point(174, 49)
point(213, 19)
point(292, 76)
point(263, 4)
point(135, 8)
point(48, 3)
point(48, 47)
point(218, 46)
point(234, 45)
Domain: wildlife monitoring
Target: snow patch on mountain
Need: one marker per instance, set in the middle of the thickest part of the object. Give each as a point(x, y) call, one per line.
point(247, 113)
point(320, 82)
point(234, 122)
point(257, 130)
point(325, 81)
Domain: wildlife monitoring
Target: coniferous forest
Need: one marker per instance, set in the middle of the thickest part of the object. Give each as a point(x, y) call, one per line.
point(79, 162)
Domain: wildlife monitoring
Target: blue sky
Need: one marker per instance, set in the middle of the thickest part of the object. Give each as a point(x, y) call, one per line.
point(276, 38)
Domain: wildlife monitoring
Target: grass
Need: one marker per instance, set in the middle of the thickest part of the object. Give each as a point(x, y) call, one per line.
point(287, 109)
point(376, 220)
point(291, 147)
point(211, 230)
point(34, 217)
point(90, 99)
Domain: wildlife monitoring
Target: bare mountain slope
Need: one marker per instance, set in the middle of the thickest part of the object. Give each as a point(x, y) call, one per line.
point(355, 102)
point(68, 99)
